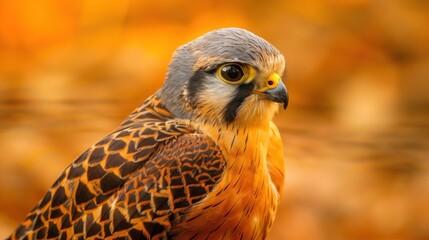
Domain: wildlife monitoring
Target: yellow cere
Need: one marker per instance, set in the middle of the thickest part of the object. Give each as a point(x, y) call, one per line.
point(271, 82)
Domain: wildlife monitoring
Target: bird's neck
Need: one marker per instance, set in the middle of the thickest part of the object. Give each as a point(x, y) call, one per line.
point(246, 180)
point(229, 132)
point(246, 147)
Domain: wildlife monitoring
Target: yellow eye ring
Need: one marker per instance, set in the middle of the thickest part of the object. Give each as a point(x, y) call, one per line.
point(235, 73)
point(231, 73)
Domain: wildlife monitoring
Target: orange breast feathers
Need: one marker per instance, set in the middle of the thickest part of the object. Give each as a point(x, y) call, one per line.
point(244, 202)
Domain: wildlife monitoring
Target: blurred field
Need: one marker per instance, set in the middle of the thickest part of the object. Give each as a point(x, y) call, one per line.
point(356, 133)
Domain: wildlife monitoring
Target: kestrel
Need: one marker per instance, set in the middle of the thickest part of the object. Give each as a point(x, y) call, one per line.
point(199, 159)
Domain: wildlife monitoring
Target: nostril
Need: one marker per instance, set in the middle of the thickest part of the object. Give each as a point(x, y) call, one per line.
point(271, 82)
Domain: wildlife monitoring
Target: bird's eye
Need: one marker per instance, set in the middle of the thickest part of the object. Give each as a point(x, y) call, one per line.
point(231, 73)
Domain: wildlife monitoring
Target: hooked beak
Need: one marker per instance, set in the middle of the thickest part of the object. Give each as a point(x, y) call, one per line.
point(274, 89)
point(278, 94)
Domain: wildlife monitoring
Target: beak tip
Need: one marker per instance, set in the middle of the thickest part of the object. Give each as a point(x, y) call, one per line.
point(285, 102)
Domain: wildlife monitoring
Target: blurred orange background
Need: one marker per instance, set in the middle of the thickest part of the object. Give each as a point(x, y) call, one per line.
point(356, 132)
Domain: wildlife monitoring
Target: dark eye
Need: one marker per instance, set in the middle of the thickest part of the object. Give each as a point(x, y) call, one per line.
point(232, 72)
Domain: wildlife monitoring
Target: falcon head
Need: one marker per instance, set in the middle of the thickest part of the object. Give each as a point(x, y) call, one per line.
point(226, 76)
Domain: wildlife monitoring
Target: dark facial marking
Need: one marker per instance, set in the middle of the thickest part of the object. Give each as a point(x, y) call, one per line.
point(194, 86)
point(231, 110)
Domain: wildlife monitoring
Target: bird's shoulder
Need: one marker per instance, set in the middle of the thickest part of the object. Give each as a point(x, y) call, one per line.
point(180, 174)
point(152, 166)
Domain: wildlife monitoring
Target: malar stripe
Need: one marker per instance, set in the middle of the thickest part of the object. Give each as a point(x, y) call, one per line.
point(231, 110)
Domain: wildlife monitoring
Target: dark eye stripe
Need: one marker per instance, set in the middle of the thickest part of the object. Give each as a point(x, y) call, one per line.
point(231, 110)
point(196, 83)
point(211, 69)
point(194, 86)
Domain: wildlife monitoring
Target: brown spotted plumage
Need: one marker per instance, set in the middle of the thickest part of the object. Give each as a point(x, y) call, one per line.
point(200, 159)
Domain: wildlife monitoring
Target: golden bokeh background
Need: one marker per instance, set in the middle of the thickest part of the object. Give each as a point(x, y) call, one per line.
point(356, 132)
